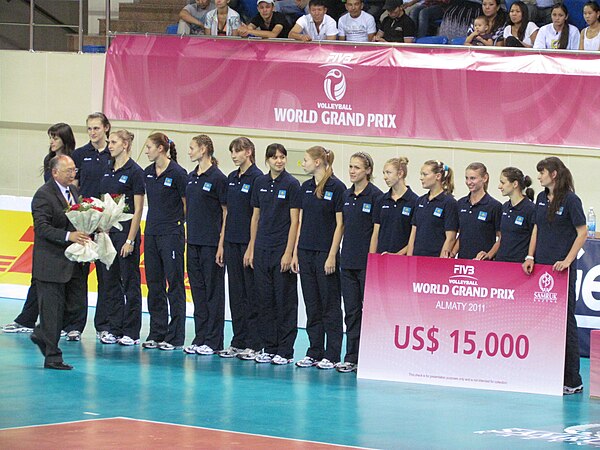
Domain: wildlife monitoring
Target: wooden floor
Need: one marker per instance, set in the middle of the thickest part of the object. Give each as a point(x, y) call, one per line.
point(126, 397)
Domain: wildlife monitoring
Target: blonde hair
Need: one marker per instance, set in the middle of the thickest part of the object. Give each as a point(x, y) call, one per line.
point(319, 153)
point(367, 161)
point(202, 140)
point(400, 164)
point(125, 136)
point(482, 170)
point(447, 173)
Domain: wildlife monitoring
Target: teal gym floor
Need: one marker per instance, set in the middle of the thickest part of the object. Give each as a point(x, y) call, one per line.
point(112, 381)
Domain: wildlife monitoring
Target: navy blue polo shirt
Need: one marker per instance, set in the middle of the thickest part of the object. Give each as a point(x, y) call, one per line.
point(395, 220)
point(478, 225)
point(275, 198)
point(516, 227)
point(127, 180)
point(433, 218)
point(318, 214)
point(91, 167)
point(555, 239)
point(239, 209)
point(204, 194)
point(358, 213)
point(165, 205)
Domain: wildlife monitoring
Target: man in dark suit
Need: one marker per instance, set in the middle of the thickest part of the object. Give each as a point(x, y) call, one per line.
point(61, 283)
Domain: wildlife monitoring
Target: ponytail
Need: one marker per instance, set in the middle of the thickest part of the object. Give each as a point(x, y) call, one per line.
point(447, 174)
point(204, 141)
point(482, 170)
point(161, 139)
point(513, 174)
point(326, 156)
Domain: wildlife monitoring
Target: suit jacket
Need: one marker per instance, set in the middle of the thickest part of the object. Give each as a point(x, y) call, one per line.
point(50, 225)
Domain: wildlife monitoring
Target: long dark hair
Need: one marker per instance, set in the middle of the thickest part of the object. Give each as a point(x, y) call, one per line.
point(563, 41)
point(65, 133)
point(499, 20)
point(161, 139)
point(524, 19)
point(243, 143)
point(513, 174)
point(563, 183)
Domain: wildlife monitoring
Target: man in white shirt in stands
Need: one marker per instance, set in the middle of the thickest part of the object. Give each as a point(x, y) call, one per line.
point(316, 26)
point(357, 25)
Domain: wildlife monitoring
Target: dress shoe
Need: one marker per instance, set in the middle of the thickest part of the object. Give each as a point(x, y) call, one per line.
point(58, 365)
point(37, 341)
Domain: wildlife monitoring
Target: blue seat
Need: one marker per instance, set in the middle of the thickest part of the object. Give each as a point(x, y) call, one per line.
point(432, 40)
point(171, 29)
point(575, 8)
point(458, 41)
point(509, 4)
point(93, 49)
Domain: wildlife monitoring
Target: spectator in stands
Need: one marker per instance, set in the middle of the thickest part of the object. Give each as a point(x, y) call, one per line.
point(395, 25)
point(480, 35)
point(457, 18)
point(357, 25)
point(316, 26)
point(425, 13)
point(519, 31)
point(292, 9)
point(222, 21)
point(590, 36)
point(267, 23)
point(192, 17)
point(540, 11)
point(496, 19)
point(559, 34)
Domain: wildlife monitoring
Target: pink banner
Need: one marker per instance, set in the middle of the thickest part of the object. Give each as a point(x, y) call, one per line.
point(463, 323)
point(369, 90)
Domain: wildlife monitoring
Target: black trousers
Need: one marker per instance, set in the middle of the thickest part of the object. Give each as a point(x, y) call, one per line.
point(123, 296)
point(323, 305)
point(31, 308)
point(242, 298)
point(277, 295)
point(163, 256)
point(353, 293)
point(207, 281)
point(56, 300)
point(572, 378)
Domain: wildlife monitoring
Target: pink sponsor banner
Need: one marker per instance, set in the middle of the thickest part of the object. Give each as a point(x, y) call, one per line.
point(463, 323)
point(369, 90)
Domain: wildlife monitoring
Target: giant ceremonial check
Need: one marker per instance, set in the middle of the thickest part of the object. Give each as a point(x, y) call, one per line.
point(464, 323)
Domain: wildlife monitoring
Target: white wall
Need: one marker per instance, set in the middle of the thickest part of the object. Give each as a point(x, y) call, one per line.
point(97, 10)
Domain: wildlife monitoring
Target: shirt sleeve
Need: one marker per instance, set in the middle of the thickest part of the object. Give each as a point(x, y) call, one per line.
point(295, 197)
point(575, 208)
point(410, 29)
point(451, 219)
point(181, 181)
point(222, 186)
point(371, 27)
point(137, 183)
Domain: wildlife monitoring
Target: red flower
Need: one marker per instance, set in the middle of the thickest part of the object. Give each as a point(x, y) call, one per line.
point(75, 207)
point(97, 208)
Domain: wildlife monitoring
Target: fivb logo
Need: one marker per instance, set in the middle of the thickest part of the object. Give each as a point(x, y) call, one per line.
point(335, 84)
point(546, 284)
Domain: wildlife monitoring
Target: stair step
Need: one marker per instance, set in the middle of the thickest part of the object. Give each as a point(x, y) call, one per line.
point(148, 12)
point(136, 26)
point(180, 3)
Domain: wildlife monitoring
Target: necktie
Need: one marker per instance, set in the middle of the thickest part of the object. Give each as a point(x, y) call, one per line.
point(70, 199)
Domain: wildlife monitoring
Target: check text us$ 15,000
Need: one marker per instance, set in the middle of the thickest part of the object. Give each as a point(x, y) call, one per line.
point(464, 341)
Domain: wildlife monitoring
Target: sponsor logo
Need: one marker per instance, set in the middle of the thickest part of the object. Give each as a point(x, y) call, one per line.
point(207, 186)
point(546, 284)
point(366, 208)
point(585, 434)
point(334, 85)
point(328, 195)
point(168, 182)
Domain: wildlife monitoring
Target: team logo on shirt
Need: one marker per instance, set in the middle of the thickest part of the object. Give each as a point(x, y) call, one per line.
point(406, 211)
point(207, 186)
point(437, 212)
point(123, 179)
point(560, 210)
point(168, 182)
point(328, 195)
point(245, 188)
point(519, 220)
point(482, 215)
point(366, 208)
point(282, 193)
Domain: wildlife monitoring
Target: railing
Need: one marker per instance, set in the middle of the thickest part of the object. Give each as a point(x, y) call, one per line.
point(32, 24)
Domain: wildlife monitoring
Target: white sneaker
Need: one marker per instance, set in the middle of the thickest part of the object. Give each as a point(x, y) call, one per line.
point(126, 340)
point(107, 338)
point(230, 352)
point(205, 350)
point(346, 367)
point(191, 349)
point(150, 344)
point(16, 328)
point(166, 346)
point(307, 361)
point(263, 357)
point(247, 354)
point(568, 390)
point(281, 361)
point(74, 335)
point(325, 364)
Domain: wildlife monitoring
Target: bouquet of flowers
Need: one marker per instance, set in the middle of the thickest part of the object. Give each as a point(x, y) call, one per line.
point(85, 216)
point(92, 215)
point(115, 211)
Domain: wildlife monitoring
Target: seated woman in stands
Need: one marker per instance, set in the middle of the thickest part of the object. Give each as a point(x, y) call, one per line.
point(222, 21)
point(496, 18)
point(519, 31)
point(559, 34)
point(590, 36)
